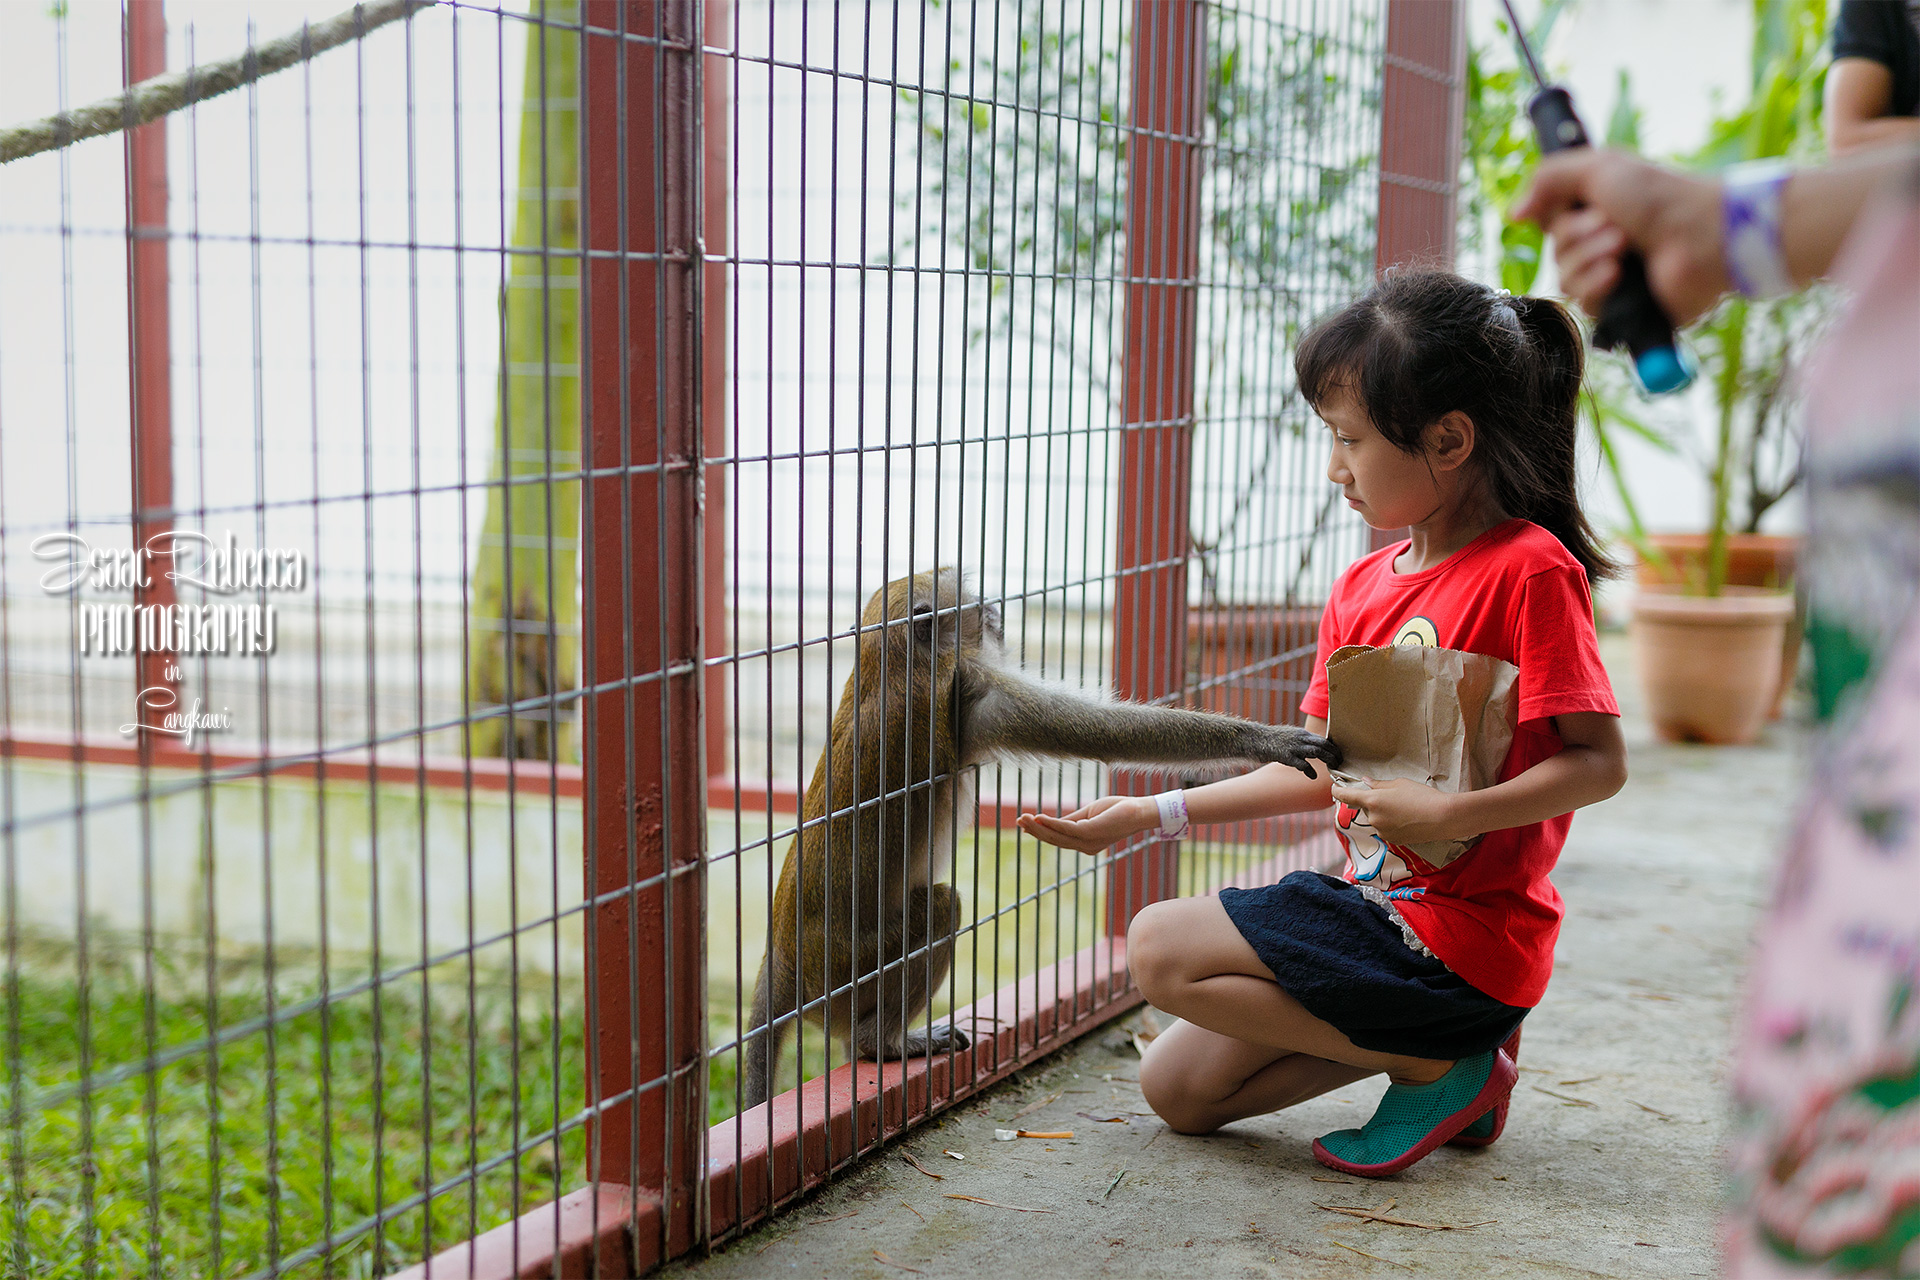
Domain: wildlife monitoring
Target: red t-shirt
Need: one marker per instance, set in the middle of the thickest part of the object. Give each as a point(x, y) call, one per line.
point(1516, 594)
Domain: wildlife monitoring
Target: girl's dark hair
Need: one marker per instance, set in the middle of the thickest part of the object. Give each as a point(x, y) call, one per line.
point(1422, 343)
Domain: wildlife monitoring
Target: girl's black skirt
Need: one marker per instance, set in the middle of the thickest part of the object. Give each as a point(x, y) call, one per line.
point(1344, 960)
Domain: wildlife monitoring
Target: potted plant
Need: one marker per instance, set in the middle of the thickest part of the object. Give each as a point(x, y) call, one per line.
point(1750, 353)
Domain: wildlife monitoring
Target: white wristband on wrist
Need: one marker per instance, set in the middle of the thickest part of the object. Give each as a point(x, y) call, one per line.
point(1173, 813)
point(1750, 227)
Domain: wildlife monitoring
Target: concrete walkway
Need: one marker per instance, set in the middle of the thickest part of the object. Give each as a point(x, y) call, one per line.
point(1610, 1165)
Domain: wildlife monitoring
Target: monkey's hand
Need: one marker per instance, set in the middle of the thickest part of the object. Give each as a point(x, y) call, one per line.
point(1093, 827)
point(1285, 744)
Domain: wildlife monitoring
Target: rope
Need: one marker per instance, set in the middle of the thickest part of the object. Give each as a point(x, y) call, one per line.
point(149, 100)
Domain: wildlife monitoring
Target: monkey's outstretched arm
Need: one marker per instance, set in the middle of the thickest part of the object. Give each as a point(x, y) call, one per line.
point(1006, 712)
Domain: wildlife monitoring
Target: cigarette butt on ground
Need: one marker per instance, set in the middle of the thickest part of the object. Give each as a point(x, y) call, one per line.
point(1039, 1133)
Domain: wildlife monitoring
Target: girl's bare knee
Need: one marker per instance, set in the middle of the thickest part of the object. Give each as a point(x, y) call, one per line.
point(1150, 956)
point(1169, 1091)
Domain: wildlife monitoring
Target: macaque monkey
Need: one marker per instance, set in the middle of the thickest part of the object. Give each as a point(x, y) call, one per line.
point(862, 910)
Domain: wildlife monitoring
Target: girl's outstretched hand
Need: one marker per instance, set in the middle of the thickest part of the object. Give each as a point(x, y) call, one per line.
point(1093, 827)
point(1404, 812)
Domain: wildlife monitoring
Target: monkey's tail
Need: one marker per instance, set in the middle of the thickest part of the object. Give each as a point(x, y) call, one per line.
point(762, 1038)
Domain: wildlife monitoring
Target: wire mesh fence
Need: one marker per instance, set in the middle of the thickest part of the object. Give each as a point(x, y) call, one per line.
point(448, 456)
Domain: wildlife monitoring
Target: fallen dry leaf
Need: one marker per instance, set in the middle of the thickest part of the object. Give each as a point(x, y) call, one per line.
point(908, 1156)
point(1345, 1182)
point(1032, 1107)
point(1376, 1257)
point(915, 1212)
point(1380, 1215)
point(1106, 1119)
point(1581, 1080)
point(881, 1257)
point(994, 1204)
point(813, 1223)
point(1564, 1098)
point(1644, 1107)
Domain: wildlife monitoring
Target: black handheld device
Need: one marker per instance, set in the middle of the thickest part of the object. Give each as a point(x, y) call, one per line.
point(1632, 316)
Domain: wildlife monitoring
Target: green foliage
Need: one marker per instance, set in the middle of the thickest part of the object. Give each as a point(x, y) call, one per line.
point(1028, 186)
point(1782, 118)
point(1623, 126)
point(1500, 152)
point(1749, 350)
point(1029, 156)
point(220, 1162)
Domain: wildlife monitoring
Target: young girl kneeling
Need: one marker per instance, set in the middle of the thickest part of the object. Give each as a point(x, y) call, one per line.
point(1452, 409)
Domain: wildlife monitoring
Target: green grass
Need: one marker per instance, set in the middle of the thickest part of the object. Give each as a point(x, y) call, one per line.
point(236, 1172)
point(257, 1146)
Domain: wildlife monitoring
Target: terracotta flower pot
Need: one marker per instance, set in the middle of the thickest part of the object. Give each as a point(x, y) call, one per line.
point(1753, 560)
point(1710, 666)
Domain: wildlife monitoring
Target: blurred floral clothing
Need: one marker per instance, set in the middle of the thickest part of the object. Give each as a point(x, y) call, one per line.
point(1826, 1158)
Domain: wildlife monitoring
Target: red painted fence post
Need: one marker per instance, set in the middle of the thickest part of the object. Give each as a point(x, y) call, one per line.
point(1164, 159)
point(149, 331)
point(1422, 110)
point(642, 575)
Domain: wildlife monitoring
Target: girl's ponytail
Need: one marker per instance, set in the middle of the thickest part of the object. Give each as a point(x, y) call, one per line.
point(1422, 343)
point(1556, 354)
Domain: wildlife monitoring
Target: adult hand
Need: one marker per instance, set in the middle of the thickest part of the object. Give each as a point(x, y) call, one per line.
point(1093, 827)
point(1594, 203)
point(1403, 811)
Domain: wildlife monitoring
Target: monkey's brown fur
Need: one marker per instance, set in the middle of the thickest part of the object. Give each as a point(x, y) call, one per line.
point(861, 910)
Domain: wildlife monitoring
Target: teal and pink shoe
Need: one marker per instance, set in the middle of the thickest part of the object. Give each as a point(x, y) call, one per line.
point(1414, 1120)
point(1482, 1132)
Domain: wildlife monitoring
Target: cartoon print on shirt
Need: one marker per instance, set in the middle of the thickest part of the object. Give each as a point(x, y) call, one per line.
point(1373, 860)
point(1366, 866)
point(1419, 630)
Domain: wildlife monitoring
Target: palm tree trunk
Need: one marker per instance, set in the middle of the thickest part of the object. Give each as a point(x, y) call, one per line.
point(525, 621)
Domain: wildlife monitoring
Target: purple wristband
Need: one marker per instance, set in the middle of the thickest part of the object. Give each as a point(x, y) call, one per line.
point(1750, 227)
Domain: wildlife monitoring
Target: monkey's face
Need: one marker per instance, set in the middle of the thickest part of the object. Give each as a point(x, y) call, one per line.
point(932, 614)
